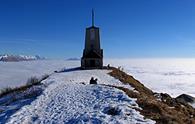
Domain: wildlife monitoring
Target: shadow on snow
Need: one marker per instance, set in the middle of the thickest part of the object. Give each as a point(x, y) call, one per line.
point(68, 70)
point(11, 103)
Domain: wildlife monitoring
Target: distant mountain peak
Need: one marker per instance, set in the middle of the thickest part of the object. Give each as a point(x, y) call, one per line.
point(17, 58)
point(73, 59)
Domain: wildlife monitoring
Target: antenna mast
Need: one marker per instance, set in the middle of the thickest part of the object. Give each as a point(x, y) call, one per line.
point(92, 17)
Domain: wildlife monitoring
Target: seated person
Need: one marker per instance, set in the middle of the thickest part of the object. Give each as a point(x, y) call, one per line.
point(92, 81)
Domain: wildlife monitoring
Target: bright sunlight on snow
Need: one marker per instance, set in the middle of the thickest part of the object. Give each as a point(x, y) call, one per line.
point(69, 98)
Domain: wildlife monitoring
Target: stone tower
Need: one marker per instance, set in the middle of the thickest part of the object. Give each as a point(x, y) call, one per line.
point(92, 54)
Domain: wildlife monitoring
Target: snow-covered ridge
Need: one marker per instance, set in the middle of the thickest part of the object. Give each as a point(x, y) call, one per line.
point(69, 98)
point(16, 58)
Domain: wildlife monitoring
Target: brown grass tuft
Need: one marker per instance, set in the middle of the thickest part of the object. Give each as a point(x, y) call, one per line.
point(30, 82)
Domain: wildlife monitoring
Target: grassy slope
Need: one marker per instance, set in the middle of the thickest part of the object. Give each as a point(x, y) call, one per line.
point(165, 111)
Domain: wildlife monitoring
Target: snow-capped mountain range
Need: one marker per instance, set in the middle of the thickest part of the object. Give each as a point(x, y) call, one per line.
point(16, 58)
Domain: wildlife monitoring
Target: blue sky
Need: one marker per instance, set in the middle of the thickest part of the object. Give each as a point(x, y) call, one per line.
point(129, 28)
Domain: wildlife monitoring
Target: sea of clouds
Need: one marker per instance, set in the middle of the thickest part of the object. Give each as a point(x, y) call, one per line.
point(172, 76)
point(14, 74)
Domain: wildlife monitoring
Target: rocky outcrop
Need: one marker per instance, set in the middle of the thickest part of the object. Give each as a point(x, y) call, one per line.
point(184, 98)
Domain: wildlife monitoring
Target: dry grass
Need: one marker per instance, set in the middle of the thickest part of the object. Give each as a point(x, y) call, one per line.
point(30, 82)
point(167, 111)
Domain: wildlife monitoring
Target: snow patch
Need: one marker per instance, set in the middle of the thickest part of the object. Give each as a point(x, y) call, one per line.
point(67, 100)
point(192, 104)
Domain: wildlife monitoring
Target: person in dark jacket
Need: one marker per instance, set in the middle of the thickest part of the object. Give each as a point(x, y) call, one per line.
point(93, 81)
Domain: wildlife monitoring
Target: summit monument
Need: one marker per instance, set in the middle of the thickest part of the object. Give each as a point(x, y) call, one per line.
point(92, 54)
